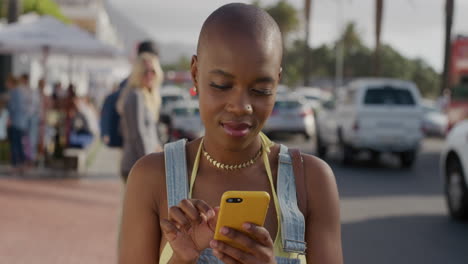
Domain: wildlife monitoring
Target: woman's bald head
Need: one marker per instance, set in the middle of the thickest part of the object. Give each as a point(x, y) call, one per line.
point(241, 22)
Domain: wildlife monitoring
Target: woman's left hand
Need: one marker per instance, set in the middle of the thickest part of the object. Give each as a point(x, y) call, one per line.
point(260, 246)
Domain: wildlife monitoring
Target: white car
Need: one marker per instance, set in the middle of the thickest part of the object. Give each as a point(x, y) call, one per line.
point(454, 170)
point(311, 95)
point(375, 115)
point(291, 116)
point(435, 123)
point(186, 122)
point(170, 95)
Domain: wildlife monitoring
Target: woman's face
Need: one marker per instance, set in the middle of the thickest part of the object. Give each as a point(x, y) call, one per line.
point(236, 80)
point(149, 74)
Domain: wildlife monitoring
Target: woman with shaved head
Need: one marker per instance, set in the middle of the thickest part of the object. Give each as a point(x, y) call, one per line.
point(171, 201)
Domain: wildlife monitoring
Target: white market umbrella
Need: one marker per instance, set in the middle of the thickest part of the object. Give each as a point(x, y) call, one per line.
point(50, 35)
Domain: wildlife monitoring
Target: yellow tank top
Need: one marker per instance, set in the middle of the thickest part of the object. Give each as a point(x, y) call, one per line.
point(166, 254)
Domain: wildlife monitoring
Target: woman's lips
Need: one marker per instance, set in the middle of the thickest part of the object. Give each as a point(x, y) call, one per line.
point(236, 129)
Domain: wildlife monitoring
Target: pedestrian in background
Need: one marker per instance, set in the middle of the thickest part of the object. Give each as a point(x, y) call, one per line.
point(33, 115)
point(110, 118)
point(138, 105)
point(70, 110)
point(17, 102)
point(45, 131)
point(4, 118)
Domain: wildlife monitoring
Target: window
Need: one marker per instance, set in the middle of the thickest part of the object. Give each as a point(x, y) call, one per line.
point(388, 95)
point(167, 99)
point(287, 104)
point(460, 92)
point(182, 111)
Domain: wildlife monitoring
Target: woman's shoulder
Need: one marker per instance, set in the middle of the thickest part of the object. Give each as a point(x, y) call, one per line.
point(149, 167)
point(320, 183)
point(316, 166)
point(147, 178)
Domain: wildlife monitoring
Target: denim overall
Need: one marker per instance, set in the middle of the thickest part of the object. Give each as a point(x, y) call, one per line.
point(292, 220)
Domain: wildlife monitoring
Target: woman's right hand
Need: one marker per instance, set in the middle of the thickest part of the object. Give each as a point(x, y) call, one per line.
point(189, 229)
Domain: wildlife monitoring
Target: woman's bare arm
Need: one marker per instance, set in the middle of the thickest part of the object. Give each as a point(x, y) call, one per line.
point(323, 228)
point(140, 234)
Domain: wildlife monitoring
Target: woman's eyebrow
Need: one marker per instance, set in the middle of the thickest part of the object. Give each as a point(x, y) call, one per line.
point(264, 80)
point(223, 73)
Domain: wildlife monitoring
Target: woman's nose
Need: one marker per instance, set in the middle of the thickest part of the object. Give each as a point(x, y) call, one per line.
point(239, 104)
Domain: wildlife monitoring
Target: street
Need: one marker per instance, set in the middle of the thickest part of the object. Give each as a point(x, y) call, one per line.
point(389, 214)
point(393, 215)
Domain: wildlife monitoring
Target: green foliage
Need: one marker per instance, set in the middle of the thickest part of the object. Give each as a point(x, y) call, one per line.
point(285, 15)
point(358, 61)
point(183, 64)
point(41, 7)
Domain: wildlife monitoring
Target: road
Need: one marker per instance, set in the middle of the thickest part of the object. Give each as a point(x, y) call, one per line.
point(392, 215)
point(389, 215)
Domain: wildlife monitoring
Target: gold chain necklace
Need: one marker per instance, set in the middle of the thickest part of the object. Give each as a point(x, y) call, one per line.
point(223, 166)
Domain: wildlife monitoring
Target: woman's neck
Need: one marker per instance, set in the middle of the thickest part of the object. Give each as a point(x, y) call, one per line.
point(232, 156)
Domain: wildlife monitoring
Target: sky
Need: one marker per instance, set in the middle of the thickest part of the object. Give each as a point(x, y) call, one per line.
point(414, 27)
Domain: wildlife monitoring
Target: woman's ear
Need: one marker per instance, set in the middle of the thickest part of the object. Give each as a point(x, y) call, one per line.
point(194, 70)
point(280, 74)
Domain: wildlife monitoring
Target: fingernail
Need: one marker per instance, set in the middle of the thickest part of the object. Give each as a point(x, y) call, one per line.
point(246, 226)
point(210, 213)
point(214, 243)
point(224, 230)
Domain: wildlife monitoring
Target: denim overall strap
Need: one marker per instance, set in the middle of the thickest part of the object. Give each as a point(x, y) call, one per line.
point(177, 186)
point(292, 220)
point(176, 172)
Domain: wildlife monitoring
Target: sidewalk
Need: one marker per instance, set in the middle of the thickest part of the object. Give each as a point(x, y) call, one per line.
point(46, 218)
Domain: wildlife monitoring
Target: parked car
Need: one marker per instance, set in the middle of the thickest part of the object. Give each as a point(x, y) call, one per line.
point(186, 122)
point(312, 95)
point(375, 115)
point(291, 116)
point(435, 123)
point(454, 171)
point(170, 95)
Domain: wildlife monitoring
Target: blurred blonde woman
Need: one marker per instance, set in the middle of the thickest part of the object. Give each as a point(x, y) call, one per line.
point(138, 106)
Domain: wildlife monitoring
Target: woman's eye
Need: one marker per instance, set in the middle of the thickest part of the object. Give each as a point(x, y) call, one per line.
point(222, 87)
point(262, 92)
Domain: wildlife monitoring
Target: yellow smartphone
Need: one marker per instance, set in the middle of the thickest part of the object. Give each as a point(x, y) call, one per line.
point(238, 207)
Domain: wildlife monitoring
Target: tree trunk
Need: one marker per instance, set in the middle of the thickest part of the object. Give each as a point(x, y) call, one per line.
point(13, 8)
point(378, 30)
point(449, 7)
point(306, 70)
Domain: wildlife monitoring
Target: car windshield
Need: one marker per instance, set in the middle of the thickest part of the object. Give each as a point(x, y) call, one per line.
point(388, 95)
point(184, 111)
point(287, 104)
point(171, 98)
point(311, 97)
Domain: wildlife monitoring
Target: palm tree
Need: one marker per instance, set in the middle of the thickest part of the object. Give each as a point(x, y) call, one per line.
point(379, 6)
point(449, 7)
point(307, 7)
